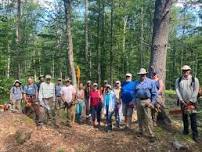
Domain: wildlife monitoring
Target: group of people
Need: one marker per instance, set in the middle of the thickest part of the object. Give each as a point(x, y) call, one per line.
point(144, 95)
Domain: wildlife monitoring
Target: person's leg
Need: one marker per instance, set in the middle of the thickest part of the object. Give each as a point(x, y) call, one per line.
point(18, 105)
point(93, 114)
point(107, 117)
point(110, 120)
point(124, 111)
point(117, 115)
point(153, 115)
point(185, 120)
point(129, 115)
point(99, 109)
point(73, 113)
point(140, 116)
point(193, 118)
point(148, 120)
point(51, 104)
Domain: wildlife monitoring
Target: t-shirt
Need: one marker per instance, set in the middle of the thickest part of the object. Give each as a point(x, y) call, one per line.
point(127, 91)
point(68, 92)
point(95, 98)
point(30, 89)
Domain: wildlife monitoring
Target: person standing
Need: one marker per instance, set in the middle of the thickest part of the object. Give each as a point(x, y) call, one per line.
point(80, 102)
point(109, 106)
point(58, 88)
point(95, 105)
point(117, 91)
point(41, 80)
point(47, 98)
point(187, 88)
point(127, 95)
point(87, 91)
point(68, 94)
point(30, 95)
point(145, 97)
point(16, 95)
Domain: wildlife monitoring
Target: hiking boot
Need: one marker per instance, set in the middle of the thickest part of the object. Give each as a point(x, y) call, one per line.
point(196, 139)
point(140, 134)
point(152, 139)
point(185, 132)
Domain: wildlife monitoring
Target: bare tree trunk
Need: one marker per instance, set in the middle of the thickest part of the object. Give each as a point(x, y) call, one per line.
point(86, 37)
point(111, 50)
point(98, 47)
point(142, 38)
point(68, 11)
point(160, 37)
point(125, 20)
point(8, 62)
point(18, 34)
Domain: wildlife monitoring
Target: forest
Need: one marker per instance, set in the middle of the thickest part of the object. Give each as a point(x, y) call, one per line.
point(100, 40)
point(109, 38)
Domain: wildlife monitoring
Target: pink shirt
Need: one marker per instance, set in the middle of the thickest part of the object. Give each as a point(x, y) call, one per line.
point(68, 92)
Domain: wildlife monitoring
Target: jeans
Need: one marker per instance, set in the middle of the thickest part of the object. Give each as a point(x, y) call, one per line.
point(79, 109)
point(117, 117)
point(109, 118)
point(96, 112)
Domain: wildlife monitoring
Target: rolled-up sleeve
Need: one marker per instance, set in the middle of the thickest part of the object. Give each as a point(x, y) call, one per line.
point(153, 93)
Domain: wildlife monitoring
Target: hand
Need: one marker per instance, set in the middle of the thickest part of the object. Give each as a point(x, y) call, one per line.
point(184, 104)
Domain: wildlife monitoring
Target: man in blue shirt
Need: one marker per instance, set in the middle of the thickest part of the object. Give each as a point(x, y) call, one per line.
point(127, 95)
point(145, 97)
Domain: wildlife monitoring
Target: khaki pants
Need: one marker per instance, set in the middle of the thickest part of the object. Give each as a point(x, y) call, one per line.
point(49, 105)
point(58, 102)
point(144, 117)
point(17, 105)
point(71, 114)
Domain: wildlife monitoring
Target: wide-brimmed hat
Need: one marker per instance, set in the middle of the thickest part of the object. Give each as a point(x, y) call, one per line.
point(186, 67)
point(142, 71)
point(128, 75)
point(48, 76)
point(17, 81)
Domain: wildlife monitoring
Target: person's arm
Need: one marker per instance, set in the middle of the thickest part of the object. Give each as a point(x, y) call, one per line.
point(161, 87)
point(177, 89)
point(53, 92)
point(41, 93)
point(153, 93)
point(195, 93)
point(62, 95)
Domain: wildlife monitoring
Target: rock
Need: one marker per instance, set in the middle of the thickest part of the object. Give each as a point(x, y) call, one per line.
point(180, 146)
point(22, 135)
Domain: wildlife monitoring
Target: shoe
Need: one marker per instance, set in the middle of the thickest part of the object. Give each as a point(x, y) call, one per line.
point(152, 139)
point(185, 132)
point(195, 139)
point(140, 134)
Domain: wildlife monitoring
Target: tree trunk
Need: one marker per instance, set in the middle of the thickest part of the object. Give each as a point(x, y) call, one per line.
point(87, 54)
point(160, 37)
point(111, 37)
point(142, 38)
point(98, 45)
point(125, 20)
point(68, 11)
point(18, 34)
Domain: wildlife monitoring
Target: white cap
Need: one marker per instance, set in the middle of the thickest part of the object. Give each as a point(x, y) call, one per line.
point(48, 76)
point(128, 75)
point(186, 67)
point(95, 84)
point(142, 71)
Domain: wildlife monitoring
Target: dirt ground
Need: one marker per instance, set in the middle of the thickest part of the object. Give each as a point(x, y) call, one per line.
point(85, 138)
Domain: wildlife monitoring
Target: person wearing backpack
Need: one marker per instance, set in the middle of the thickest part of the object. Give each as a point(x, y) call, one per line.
point(16, 95)
point(187, 88)
point(145, 97)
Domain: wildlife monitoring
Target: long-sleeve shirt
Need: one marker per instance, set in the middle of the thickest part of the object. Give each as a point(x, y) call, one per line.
point(47, 91)
point(146, 89)
point(58, 90)
point(109, 100)
point(187, 90)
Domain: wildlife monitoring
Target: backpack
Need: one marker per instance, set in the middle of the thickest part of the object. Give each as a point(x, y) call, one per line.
point(192, 82)
point(14, 89)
